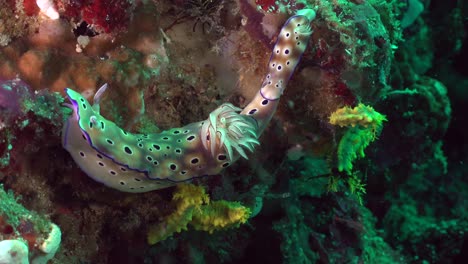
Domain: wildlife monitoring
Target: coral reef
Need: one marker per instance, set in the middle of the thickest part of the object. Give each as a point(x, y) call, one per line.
point(308, 192)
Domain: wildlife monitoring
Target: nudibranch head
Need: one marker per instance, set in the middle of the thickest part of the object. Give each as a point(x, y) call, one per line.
point(93, 161)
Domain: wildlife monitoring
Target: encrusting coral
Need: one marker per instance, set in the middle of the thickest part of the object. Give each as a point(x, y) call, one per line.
point(193, 207)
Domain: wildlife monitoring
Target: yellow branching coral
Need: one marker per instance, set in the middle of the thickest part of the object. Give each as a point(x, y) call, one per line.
point(193, 207)
point(365, 124)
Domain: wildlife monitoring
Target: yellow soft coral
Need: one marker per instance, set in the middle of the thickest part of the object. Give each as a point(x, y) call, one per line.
point(193, 207)
point(189, 195)
point(219, 215)
point(362, 115)
point(365, 124)
point(185, 200)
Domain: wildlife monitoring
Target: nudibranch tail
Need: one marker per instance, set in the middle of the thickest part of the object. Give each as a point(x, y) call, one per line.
point(287, 52)
point(133, 162)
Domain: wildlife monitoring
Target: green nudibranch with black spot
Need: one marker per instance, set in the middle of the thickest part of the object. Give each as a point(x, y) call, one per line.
point(143, 162)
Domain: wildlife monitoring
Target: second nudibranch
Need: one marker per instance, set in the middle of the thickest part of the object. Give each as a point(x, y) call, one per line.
point(143, 162)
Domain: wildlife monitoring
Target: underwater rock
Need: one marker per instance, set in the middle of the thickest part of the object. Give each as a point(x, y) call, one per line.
point(25, 118)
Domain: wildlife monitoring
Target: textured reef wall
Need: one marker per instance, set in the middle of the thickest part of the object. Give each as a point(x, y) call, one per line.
point(363, 162)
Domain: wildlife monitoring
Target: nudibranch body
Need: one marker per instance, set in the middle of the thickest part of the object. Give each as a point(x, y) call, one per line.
point(143, 162)
point(140, 162)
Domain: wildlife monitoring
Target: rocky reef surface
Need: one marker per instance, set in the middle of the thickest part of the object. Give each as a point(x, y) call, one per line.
point(363, 162)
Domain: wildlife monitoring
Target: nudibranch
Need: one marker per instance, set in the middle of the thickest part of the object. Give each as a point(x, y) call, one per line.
point(136, 163)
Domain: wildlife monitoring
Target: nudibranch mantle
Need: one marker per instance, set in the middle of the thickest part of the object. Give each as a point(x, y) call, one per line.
point(132, 162)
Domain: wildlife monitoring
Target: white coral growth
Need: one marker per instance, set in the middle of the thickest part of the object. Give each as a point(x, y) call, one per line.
point(226, 128)
point(47, 7)
point(49, 246)
point(13, 252)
